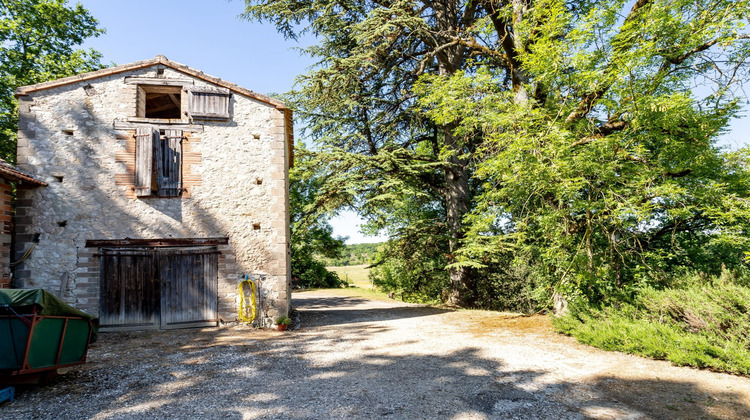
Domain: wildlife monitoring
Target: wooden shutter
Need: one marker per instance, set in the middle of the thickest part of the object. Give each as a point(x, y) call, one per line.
point(168, 164)
point(144, 159)
point(209, 104)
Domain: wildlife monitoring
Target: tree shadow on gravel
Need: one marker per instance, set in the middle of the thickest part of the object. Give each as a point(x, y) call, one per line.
point(317, 303)
point(317, 311)
point(353, 316)
point(239, 372)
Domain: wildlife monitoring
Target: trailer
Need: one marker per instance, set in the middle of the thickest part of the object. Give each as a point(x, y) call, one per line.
point(39, 334)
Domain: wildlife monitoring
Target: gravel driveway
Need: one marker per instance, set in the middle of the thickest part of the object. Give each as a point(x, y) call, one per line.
point(356, 358)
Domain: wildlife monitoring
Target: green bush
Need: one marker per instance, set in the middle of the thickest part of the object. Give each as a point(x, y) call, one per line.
point(705, 324)
point(308, 272)
point(416, 272)
point(419, 281)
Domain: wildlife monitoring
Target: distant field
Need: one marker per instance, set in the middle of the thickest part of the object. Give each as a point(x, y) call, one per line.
point(356, 275)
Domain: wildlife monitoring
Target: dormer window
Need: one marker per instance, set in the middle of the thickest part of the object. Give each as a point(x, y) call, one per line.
point(160, 102)
point(179, 99)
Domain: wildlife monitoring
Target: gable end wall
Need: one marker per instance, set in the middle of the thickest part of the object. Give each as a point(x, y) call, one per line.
point(235, 172)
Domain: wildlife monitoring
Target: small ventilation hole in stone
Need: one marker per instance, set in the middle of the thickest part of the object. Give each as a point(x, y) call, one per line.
point(90, 91)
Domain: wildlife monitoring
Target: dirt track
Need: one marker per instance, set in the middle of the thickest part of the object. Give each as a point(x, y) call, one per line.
point(356, 358)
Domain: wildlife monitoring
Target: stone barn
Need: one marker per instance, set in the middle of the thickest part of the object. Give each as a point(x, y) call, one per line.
point(165, 188)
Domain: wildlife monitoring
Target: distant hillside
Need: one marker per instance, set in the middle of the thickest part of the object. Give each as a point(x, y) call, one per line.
point(356, 254)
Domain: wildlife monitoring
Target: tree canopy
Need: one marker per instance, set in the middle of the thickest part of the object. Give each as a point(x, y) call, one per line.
point(37, 40)
point(568, 146)
point(311, 234)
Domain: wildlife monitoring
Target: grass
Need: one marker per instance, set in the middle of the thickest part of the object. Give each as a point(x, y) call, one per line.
point(356, 275)
point(702, 325)
point(359, 282)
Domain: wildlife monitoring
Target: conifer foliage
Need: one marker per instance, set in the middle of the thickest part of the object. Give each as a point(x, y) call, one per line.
point(560, 146)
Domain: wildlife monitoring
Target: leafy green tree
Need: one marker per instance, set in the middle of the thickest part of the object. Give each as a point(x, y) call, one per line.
point(37, 40)
point(573, 142)
point(413, 267)
point(379, 152)
point(599, 161)
point(311, 234)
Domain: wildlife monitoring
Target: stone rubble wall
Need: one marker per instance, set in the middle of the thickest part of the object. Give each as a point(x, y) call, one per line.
point(235, 172)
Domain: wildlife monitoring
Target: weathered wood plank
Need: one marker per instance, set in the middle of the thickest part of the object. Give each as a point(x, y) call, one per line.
point(141, 102)
point(170, 287)
point(211, 89)
point(152, 81)
point(109, 293)
point(209, 105)
point(169, 164)
point(144, 149)
point(128, 289)
point(191, 287)
point(134, 122)
point(167, 242)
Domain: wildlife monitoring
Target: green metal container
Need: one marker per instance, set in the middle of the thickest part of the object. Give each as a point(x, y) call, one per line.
point(40, 333)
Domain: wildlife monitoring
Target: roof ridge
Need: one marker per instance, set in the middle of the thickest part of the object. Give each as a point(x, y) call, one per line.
point(159, 59)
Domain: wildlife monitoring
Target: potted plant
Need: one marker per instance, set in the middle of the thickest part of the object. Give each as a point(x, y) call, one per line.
point(283, 322)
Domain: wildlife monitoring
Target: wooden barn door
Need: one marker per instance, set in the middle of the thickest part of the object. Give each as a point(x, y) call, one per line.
point(158, 288)
point(129, 291)
point(189, 281)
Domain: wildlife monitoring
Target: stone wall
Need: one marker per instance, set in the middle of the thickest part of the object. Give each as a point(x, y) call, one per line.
point(5, 232)
point(79, 138)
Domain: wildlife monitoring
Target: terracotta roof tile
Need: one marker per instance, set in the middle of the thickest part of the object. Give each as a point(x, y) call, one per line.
point(10, 173)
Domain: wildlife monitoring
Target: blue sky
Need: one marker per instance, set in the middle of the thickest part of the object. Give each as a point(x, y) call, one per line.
point(208, 35)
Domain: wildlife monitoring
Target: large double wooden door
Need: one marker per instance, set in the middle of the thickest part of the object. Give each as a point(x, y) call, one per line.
point(158, 288)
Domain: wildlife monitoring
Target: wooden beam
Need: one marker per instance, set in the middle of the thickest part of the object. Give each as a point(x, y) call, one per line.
point(152, 81)
point(159, 123)
point(97, 243)
point(211, 89)
point(174, 100)
point(161, 89)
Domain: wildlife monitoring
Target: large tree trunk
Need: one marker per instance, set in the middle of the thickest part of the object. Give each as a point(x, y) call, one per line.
point(456, 195)
point(462, 287)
